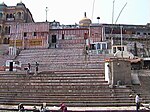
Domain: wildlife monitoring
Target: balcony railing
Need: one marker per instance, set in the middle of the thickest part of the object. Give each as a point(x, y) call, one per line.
point(127, 36)
point(10, 19)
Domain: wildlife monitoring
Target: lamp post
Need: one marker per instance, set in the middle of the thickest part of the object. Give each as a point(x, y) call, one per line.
point(121, 41)
point(98, 18)
point(112, 41)
point(113, 12)
point(15, 43)
point(46, 13)
point(143, 50)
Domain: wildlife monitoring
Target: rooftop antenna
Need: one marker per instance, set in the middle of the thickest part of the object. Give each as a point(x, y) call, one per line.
point(113, 12)
point(20, 1)
point(2, 2)
point(85, 14)
point(116, 22)
point(98, 18)
point(120, 12)
point(46, 12)
point(93, 9)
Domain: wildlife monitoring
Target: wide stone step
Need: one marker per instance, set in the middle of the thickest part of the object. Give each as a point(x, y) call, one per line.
point(55, 77)
point(58, 87)
point(57, 84)
point(71, 91)
point(72, 99)
point(63, 96)
point(57, 93)
point(71, 81)
point(68, 103)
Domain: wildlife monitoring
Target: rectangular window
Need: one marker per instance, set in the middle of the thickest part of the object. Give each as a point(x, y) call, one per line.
point(34, 34)
point(103, 46)
point(42, 33)
point(119, 48)
point(98, 46)
point(54, 39)
point(25, 34)
point(138, 33)
point(96, 34)
point(63, 36)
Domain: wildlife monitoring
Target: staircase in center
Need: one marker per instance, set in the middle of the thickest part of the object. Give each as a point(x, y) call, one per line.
point(66, 75)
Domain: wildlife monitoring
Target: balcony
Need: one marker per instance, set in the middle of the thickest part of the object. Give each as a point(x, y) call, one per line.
point(10, 19)
point(127, 36)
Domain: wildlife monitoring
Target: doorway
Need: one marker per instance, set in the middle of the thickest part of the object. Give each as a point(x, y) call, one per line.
point(11, 66)
point(54, 39)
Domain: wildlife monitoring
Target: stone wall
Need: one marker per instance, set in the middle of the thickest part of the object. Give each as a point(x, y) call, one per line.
point(120, 71)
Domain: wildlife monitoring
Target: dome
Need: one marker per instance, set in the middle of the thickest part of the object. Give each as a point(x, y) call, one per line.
point(85, 21)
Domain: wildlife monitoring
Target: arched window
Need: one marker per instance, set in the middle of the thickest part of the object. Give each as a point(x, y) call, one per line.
point(11, 15)
point(19, 15)
point(9, 30)
point(22, 15)
point(6, 30)
point(7, 16)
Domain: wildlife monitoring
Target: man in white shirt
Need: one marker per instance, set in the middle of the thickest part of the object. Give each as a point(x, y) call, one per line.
point(137, 101)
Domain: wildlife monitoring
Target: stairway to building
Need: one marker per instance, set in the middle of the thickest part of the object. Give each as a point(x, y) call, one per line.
point(85, 88)
point(65, 75)
point(60, 59)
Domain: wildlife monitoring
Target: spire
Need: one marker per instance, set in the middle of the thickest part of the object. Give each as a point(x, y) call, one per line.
point(85, 14)
point(3, 3)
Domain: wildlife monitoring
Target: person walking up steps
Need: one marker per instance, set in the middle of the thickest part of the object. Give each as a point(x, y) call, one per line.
point(36, 68)
point(137, 101)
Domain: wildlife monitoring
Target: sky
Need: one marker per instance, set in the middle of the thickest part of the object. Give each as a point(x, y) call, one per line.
point(135, 12)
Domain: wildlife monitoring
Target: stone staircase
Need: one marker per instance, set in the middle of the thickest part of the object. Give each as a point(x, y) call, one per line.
point(60, 59)
point(65, 75)
point(85, 88)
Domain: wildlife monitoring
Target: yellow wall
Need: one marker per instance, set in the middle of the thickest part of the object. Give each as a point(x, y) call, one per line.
point(35, 42)
point(18, 42)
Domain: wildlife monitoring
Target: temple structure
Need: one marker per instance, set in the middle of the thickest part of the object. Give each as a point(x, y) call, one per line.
point(84, 65)
point(12, 15)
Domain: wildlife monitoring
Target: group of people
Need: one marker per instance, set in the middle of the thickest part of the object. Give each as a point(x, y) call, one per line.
point(42, 109)
point(36, 68)
point(63, 108)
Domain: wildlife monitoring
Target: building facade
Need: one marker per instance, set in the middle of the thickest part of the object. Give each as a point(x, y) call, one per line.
point(29, 35)
point(18, 28)
point(12, 15)
point(135, 37)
